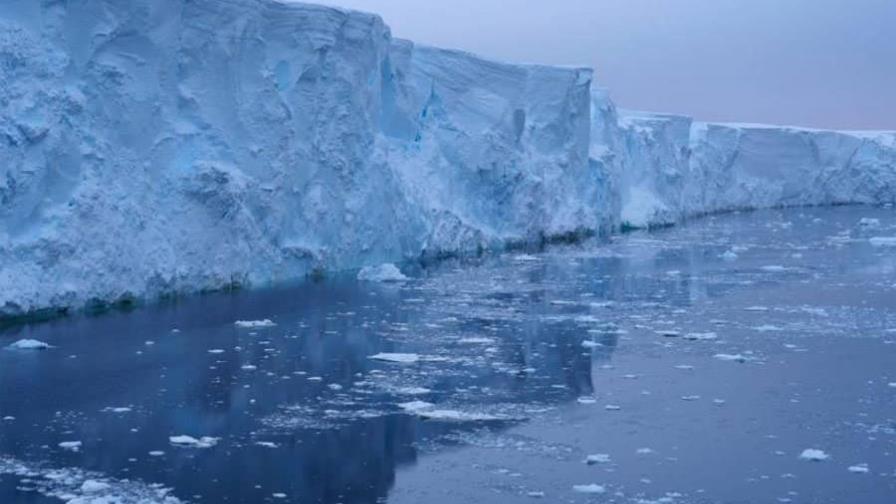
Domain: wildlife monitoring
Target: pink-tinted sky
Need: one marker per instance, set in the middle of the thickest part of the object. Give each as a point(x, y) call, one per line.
point(823, 63)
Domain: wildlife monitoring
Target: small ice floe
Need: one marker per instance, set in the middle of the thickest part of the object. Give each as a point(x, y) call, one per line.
point(72, 446)
point(597, 458)
point(690, 398)
point(756, 308)
point(858, 468)
point(383, 273)
point(669, 333)
point(883, 241)
point(476, 341)
point(684, 367)
point(767, 328)
point(535, 495)
point(278, 495)
point(705, 336)
point(157, 453)
point(612, 407)
point(586, 400)
point(93, 486)
point(116, 409)
point(428, 411)
point(525, 258)
point(412, 391)
point(29, 344)
point(267, 444)
point(591, 344)
point(814, 455)
point(254, 324)
point(191, 442)
point(248, 367)
point(774, 268)
point(729, 255)
point(9, 418)
point(216, 351)
point(644, 451)
point(401, 358)
point(589, 489)
point(731, 357)
point(868, 222)
point(892, 384)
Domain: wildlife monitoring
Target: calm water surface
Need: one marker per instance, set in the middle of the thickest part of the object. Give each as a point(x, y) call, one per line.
point(694, 364)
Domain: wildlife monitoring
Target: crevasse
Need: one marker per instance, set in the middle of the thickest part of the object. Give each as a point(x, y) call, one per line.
point(156, 147)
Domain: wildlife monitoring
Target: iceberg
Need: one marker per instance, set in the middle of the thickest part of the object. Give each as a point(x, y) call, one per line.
point(160, 147)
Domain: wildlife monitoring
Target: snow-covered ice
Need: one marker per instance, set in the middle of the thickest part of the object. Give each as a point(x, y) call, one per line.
point(814, 455)
point(401, 358)
point(382, 273)
point(191, 442)
point(169, 179)
point(28, 344)
point(591, 488)
point(254, 324)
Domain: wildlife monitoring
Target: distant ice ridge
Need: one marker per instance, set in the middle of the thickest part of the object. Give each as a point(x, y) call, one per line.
point(159, 147)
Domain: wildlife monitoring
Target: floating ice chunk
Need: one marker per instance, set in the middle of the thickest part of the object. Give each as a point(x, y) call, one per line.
point(535, 495)
point(644, 451)
point(401, 358)
point(416, 405)
point(729, 255)
point(117, 409)
point(814, 455)
point(412, 390)
point(191, 442)
point(892, 384)
point(476, 341)
point(216, 351)
point(883, 241)
point(383, 273)
point(767, 328)
point(669, 333)
point(248, 367)
point(157, 453)
point(93, 486)
point(254, 324)
point(29, 344)
point(774, 268)
point(589, 489)
point(756, 308)
point(591, 344)
point(858, 468)
point(525, 258)
point(701, 336)
point(868, 222)
point(690, 398)
point(278, 495)
point(267, 444)
point(586, 400)
point(73, 446)
point(731, 357)
point(597, 458)
point(428, 411)
point(612, 407)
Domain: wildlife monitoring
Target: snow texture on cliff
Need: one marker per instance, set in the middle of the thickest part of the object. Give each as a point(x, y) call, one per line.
point(150, 148)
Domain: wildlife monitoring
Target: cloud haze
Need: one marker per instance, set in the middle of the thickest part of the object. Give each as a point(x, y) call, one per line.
point(823, 63)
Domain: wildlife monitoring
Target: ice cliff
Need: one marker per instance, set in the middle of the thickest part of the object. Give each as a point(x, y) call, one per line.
point(156, 147)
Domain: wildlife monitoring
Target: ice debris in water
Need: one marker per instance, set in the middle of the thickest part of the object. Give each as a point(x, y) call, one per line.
point(401, 358)
point(701, 336)
point(191, 442)
point(589, 489)
point(598, 458)
point(383, 273)
point(868, 222)
point(731, 357)
point(254, 324)
point(729, 255)
point(428, 411)
point(883, 241)
point(74, 446)
point(814, 455)
point(858, 468)
point(29, 344)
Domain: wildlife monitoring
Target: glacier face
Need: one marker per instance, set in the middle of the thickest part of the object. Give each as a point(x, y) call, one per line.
point(153, 147)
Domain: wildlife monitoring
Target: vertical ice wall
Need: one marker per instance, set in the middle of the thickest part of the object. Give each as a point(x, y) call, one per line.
point(153, 147)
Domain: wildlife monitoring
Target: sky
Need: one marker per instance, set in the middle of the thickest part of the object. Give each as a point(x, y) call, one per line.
point(817, 63)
